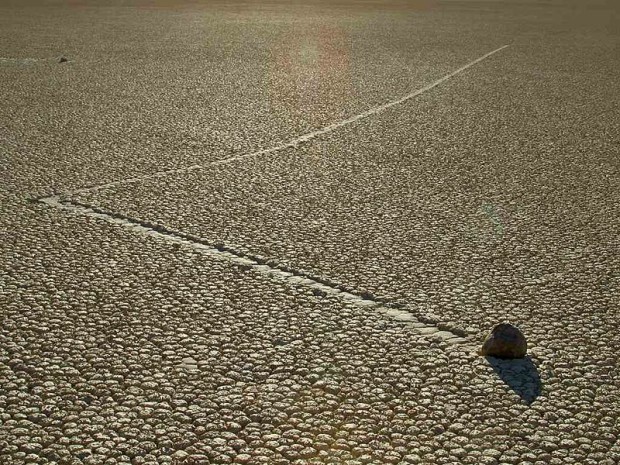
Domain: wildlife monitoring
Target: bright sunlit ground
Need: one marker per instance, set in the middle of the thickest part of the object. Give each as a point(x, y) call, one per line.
point(278, 232)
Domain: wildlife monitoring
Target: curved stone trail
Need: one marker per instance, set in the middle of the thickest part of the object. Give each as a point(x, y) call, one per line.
point(419, 323)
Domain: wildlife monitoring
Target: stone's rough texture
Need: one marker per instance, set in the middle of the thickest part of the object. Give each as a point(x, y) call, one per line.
point(505, 341)
point(62, 60)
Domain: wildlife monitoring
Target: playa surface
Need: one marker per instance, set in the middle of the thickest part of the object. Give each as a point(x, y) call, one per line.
point(278, 232)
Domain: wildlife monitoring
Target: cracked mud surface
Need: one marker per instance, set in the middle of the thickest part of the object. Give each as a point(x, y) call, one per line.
point(493, 197)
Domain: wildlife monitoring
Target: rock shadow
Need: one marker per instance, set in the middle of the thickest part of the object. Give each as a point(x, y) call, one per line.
point(520, 375)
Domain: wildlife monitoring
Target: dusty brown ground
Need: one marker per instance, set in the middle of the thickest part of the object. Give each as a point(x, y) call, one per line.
point(491, 197)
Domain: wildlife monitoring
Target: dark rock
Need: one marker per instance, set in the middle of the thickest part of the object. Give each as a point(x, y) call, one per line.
point(505, 341)
point(63, 60)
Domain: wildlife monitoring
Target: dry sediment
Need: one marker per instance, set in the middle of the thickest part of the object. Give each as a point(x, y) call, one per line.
point(494, 199)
